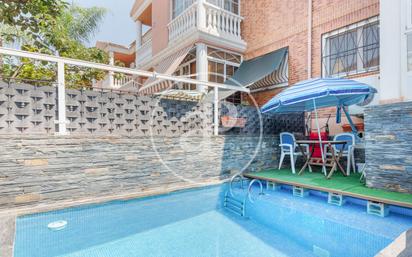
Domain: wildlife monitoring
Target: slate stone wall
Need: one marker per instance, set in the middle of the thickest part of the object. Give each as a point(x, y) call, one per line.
point(37, 170)
point(388, 143)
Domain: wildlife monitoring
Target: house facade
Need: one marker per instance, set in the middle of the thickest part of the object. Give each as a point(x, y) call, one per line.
point(195, 38)
point(275, 43)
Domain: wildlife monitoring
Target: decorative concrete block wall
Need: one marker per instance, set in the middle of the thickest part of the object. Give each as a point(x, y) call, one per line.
point(25, 109)
point(42, 169)
point(388, 153)
point(272, 124)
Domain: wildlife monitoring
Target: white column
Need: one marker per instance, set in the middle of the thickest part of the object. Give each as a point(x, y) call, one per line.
point(111, 73)
point(201, 15)
point(61, 100)
point(201, 65)
point(138, 34)
point(390, 89)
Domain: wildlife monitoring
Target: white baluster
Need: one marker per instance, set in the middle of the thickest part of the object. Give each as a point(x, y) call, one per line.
point(219, 21)
point(214, 19)
point(226, 17)
point(238, 27)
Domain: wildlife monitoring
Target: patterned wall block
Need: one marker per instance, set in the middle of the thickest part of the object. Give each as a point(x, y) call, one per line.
point(28, 109)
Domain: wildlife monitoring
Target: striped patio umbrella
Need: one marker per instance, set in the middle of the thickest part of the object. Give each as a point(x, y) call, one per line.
point(312, 94)
point(318, 93)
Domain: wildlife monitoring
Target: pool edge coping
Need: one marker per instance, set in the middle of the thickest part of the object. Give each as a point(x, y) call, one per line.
point(325, 189)
point(400, 247)
point(7, 235)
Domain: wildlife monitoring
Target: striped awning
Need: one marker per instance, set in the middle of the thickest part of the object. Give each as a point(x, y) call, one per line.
point(167, 66)
point(263, 72)
point(178, 94)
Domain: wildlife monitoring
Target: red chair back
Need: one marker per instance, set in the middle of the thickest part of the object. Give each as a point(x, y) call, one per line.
point(314, 136)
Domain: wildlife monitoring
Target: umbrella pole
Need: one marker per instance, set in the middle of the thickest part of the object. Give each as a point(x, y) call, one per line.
point(320, 137)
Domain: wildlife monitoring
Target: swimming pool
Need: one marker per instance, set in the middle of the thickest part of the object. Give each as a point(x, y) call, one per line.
point(194, 223)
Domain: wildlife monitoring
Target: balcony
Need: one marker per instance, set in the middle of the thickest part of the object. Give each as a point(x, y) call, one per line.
point(210, 21)
point(116, 82)
point(144, 52)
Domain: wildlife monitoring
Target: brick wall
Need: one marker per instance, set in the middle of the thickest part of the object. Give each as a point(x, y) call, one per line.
point(272, 24)
point(388, 146)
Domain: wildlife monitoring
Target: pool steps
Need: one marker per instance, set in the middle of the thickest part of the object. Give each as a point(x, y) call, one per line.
point(300, 191)
point(336, 199)
point(272, 185)
point(234, 205)
point(378, 209)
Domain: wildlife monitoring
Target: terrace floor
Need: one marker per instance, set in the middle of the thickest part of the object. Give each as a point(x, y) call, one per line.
point(349, 186)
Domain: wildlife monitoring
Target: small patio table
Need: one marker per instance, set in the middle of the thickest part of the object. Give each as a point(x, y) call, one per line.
point(333, 161)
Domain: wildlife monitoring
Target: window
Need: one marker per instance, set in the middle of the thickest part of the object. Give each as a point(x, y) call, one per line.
point(221, 66)
point(223, 55)
point(186, 69)
point(228, 5)
point(351, 50)
point(409, 51)
point(178, 6)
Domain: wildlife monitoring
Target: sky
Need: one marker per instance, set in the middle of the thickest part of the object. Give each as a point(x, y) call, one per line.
point(117, 26)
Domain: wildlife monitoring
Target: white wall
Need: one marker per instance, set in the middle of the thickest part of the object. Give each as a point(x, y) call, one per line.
point(395, 83)
point(373, 80)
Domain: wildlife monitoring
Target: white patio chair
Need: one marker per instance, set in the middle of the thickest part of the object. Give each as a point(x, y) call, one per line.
point(348, 150)
point(289, 147)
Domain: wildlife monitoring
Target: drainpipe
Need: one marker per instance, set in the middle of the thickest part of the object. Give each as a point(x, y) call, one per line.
point(309, 57)
point(309, 39)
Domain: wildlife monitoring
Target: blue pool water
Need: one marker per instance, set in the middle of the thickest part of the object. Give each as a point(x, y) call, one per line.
point(194, 223)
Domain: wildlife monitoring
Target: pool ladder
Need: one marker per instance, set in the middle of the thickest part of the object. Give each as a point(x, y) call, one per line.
point(235, 205)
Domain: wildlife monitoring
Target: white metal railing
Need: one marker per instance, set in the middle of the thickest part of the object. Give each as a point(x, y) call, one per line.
point(183, 23)
point(114, 83)
point(217, 21)
point(222, 22)
point(119, 82)
point(147, 36)
point(144, 52)
point(61, 88)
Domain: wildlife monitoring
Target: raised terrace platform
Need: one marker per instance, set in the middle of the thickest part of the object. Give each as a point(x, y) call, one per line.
point(339, 184)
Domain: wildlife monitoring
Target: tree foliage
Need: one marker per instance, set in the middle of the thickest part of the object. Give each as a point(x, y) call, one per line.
point(30, 16)
point(52, 27)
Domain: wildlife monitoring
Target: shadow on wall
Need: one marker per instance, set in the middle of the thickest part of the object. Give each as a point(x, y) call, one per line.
point(255, 146)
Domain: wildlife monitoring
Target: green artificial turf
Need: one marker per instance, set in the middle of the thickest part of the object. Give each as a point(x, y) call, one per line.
point(339, 182)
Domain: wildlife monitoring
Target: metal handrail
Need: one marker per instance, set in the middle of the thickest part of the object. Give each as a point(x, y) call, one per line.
point(240, 175)
point(249, 190)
